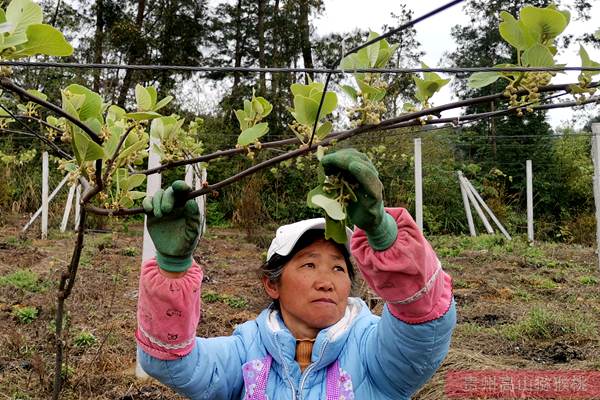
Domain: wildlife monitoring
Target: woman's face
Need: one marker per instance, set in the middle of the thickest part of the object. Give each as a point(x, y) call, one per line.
point(313, 290)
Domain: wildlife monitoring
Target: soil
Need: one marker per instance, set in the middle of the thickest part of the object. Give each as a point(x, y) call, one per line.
point(492, 292)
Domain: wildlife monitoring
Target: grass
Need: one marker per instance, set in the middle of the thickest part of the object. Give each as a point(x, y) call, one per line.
point(84, 339)
point(231, 301)
point(588, 280)
point(541, 324)
point(24, 279)
point(25, 314)
point(540, 282)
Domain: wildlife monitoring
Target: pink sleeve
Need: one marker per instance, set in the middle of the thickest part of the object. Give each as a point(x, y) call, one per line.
point(168, 311)
point(408, 275)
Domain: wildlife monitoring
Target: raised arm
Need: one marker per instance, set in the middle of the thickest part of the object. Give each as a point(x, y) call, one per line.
point(398, 263)
point(169, 307)
point(413, 336)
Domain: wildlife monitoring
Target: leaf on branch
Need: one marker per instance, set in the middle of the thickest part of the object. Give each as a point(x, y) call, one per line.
point(538, 56)
point(85, 148)
point(43, 39)
point(481, 79)
point(143, 115)
point(515, 32)
point(23, 13)
point(331, 206)
point(251, 135)
point(143, 98)
point(350, 91)
point(544, 23)
point(335, 230)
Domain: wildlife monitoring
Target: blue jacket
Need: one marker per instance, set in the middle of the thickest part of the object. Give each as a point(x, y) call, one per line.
point(384, 357)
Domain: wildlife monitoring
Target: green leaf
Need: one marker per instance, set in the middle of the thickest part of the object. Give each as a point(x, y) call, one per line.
point(537, 56)
point(153, 96)
point(324, 130)
point(135, 180)
point(482, 79)
point(23, 13)
point(43, 39)
point(267, 107)
point(67, 104)
point(37, 94)
point(545, 23)
point(331, 206)
point(335, 230)
point(92, 104)
point(2, 16)
point(86, 148)
point(94, 124)
point(597, 34)
point(252, 134)
point(300, 89)
point(110, 144)
point(115, 113)
point(135, 195)
point(142, 98)
point(350, 91)
point(143, 115)
point(241, 117)
point(515, 33)
point(586, 61)
point(163, 103)
point(305, 109)
point(373, 50)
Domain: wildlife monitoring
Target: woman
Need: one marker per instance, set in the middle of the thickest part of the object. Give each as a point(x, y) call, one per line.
point(314, 341)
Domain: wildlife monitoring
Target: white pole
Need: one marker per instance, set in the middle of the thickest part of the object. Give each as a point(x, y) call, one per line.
point(529, 176)
point(199, 181)
point(482, 216)
point(596, 181)
point(487, 209)
point(418, 185)
point(189, 175)
point(39, 211)
point(77, 206)
point(153, 184)
point(45, 195)
point(149, 251)
point(463, 191)
point(68, 205)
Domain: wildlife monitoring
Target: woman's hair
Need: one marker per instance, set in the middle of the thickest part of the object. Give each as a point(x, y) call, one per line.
point(273, 268)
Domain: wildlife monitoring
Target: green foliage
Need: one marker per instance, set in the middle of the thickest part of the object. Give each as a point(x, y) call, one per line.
point(372, 87)
point(23, 279)
point(23, 34)
point(306, 106)
point(84, 339)
point(333, 196)
point(588, 280)
point(542, 324)
point(255, 110)
point(231, 301)
point(429, 85)
point(25, 314)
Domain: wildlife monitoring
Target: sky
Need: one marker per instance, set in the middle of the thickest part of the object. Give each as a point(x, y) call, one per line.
point(434, 35)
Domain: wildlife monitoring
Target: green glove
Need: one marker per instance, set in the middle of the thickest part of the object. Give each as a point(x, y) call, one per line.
point(367, 211)
point(173, 226)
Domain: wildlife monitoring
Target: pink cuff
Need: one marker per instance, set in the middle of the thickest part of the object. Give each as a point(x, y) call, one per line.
point(407, 275)
point(168, 311)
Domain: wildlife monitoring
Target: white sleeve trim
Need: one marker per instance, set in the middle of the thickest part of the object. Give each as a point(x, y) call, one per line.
point(421, 292)
point(164, 345)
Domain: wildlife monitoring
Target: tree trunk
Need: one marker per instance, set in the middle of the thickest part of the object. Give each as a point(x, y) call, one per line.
point(275, 51)
point(305, 35)
point(238, 45)
point(132, 56)
point(261, 45)
point(98, 38)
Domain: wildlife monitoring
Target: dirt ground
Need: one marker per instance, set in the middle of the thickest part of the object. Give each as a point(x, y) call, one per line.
point(519, 306)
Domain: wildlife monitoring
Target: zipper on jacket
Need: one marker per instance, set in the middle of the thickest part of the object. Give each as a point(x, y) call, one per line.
point(305, 374)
